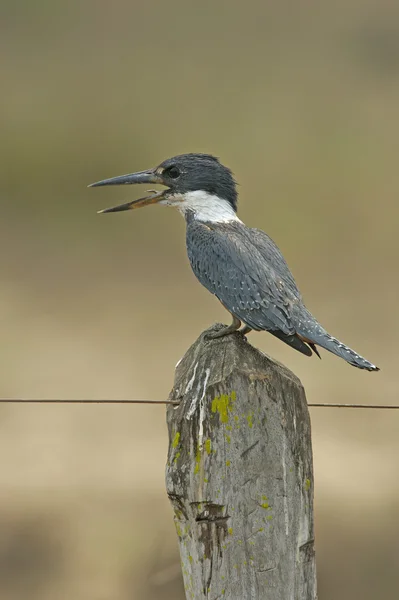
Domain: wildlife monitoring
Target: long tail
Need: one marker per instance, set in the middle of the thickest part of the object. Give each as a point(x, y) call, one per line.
point(314, 333)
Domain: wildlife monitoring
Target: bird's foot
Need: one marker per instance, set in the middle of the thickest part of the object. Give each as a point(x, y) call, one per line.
point(236, 324)
point(218, 334)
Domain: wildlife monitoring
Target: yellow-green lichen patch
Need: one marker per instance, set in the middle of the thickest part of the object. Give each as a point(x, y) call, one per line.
point(223, 404)
point(250, 419)
point(228, 439)
point(176, 440)
point(269, 517)
point(208, 446)
point(228, 463)
point(307, 484)
point(190, 558)
point(176, 457)
point(205, 480)
point(178, 530)
point(197, 461)
point(230, 530)
point(265, 503)
point(260, 529)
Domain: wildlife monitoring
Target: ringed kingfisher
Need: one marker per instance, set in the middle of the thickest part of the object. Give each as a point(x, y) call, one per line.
point(240, 265)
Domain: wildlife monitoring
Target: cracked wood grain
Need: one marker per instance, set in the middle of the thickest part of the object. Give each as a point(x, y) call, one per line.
point(240, 476)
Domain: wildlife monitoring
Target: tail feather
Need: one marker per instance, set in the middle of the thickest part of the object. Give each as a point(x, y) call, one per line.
point(330, 343)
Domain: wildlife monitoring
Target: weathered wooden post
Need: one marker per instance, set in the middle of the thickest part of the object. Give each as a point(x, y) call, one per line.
point(240, 475)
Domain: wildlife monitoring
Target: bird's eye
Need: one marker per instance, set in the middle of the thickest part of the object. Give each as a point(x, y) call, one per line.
point(173, 172)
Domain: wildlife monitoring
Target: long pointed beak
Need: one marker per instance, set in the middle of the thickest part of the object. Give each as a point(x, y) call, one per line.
point(149, 176)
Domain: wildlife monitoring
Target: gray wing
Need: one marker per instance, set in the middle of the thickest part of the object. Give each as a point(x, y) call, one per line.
point(249, 281)
point(271, 253)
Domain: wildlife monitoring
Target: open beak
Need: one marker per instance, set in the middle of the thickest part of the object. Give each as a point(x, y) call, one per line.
point(150, 176)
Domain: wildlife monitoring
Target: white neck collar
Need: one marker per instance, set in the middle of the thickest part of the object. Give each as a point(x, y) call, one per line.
point(203, 206)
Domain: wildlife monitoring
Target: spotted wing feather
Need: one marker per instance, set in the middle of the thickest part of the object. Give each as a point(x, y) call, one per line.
point(230, 266)
point(271, 254)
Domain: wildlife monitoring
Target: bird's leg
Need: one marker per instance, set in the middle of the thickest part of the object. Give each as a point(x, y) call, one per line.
point(236, 324)
point(245, 330)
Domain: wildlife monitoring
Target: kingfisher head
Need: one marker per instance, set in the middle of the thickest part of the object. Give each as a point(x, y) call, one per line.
point(198, 185)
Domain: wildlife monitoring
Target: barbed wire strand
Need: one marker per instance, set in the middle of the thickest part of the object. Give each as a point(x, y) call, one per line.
point(174, 403)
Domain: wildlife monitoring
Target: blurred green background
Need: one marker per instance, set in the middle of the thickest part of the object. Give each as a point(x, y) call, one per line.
point(301, 100)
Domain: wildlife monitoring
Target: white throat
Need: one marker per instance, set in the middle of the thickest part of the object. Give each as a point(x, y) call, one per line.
point(204, 206)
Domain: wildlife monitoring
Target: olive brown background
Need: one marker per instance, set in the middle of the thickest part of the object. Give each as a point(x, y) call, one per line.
point(301, 100)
